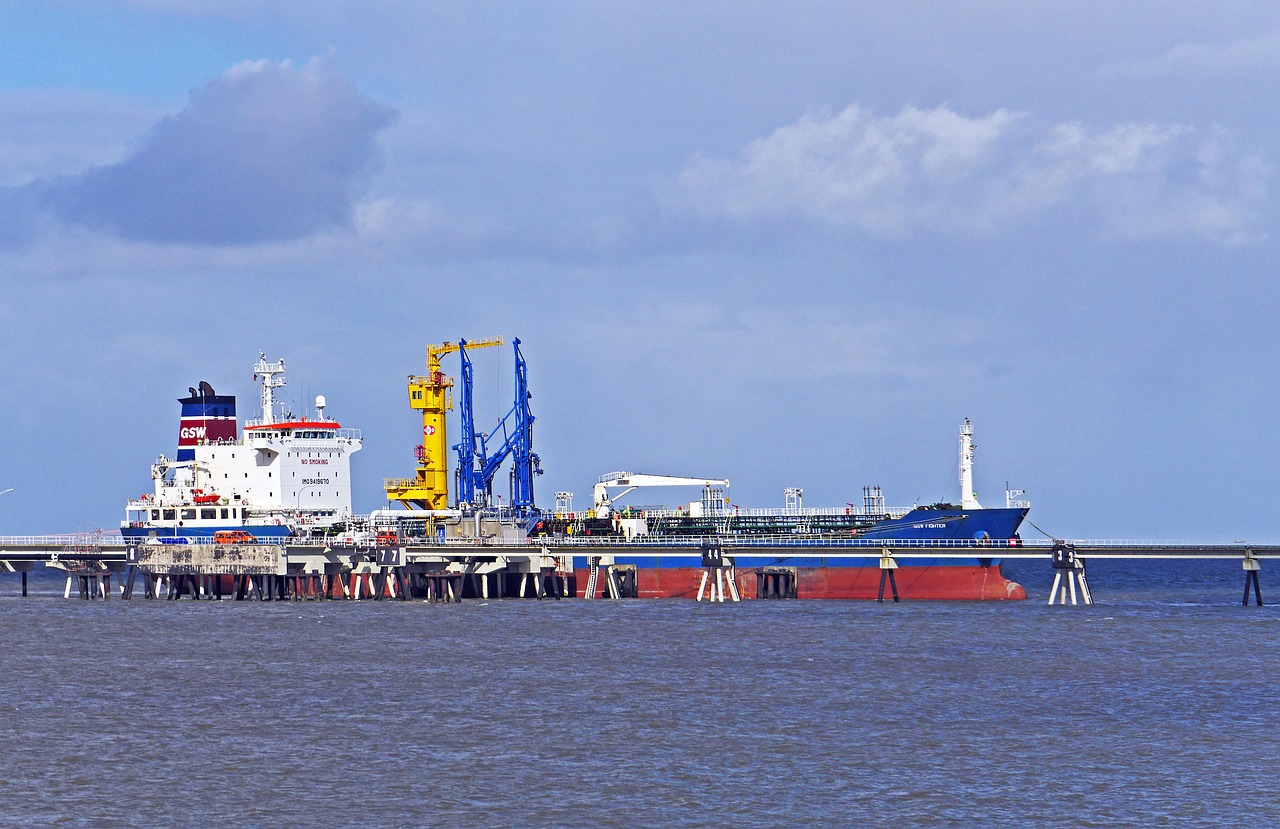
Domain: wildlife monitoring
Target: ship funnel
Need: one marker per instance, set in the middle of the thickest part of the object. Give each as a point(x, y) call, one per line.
point(207, 417)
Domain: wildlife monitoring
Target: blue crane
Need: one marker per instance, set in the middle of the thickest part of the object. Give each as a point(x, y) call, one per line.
point(476, 466)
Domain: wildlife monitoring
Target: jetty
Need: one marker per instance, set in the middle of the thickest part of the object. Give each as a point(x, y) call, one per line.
point(104, 566)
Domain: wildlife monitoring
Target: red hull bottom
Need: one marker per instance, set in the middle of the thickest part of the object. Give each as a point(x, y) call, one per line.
point(956, 583)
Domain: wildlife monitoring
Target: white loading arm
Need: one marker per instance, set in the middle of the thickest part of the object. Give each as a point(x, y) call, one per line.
point(629, 482)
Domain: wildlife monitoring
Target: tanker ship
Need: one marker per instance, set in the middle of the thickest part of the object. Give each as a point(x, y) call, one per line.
point(284, 474)
point(829, 553)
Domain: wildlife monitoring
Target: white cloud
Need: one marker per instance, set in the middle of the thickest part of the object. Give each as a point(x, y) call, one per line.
point(930, 171)
point(1142, 180)
point(1260, 52)
point(850, 168)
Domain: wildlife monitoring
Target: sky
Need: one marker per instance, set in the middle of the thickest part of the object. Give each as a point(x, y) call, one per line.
point(784, 244)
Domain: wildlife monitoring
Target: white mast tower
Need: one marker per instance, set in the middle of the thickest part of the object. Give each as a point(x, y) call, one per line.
point(267, 373)
point(968, 500)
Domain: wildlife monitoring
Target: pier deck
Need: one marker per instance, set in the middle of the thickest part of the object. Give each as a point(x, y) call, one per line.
point(541, 566)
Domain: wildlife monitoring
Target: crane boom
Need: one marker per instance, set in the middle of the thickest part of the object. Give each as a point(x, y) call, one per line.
point(435, 352)
point(431, 394)
point(630, 481)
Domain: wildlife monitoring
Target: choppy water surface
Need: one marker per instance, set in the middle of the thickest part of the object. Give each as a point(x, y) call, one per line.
point(1155, 707)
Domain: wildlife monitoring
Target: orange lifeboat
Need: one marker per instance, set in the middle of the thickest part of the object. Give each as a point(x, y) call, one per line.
point(200, 497)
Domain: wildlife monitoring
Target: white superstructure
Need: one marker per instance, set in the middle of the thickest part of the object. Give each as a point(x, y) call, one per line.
point(284, 472)
point(968, 499)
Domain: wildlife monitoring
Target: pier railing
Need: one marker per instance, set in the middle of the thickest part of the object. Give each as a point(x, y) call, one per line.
point(869, 547)
point(61, 540)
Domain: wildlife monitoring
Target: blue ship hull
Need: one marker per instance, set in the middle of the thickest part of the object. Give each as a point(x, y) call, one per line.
point(841, 566)
point(930, 528)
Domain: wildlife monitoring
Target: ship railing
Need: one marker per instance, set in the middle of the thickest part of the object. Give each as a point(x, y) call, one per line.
point(217, 442)
point(344, 432)
point(769, 512)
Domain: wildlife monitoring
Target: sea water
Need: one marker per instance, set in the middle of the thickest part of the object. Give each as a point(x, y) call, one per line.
point(1153, 707)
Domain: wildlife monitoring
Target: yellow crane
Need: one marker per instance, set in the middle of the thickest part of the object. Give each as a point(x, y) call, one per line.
point(432, 394)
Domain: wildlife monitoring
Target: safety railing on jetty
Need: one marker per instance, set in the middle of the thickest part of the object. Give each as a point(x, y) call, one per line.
point(1031, 548)
point(871, 547)
point(770, 541)
point(61, 540)
point(1174, 544)
point(737, 540)
point(697, 541)
point(21, 541)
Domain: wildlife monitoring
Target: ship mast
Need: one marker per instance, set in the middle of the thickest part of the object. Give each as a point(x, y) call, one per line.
point(968, 499)
point(267, 373)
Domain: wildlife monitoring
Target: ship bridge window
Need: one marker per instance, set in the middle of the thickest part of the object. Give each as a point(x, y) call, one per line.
point(224, 512)
point(155, 515)
point(170, 515)
point(188, 515)
point(208, 513)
